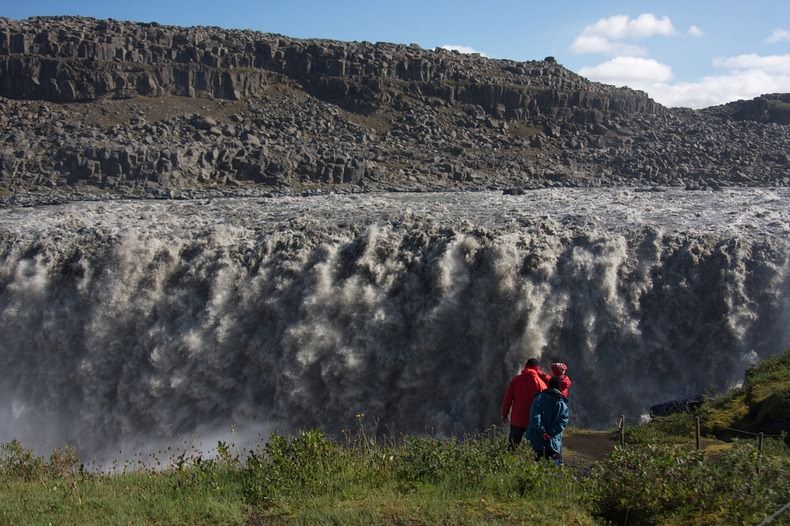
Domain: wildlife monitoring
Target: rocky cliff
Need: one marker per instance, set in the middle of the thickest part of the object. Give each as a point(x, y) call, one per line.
point(144, 109)
point(766, 108)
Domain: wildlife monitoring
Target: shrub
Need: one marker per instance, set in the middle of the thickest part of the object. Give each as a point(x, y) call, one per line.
point(20, 463)
point(639, 485)
point(662, 485)
point(462, 464)
point(544, 481)
point(309, 464)
point(677, 428)
point(745, 490)
point(476, 466)
point(62, 462)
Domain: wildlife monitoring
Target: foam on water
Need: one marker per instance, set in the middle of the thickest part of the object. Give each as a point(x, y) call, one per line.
point(130, 324)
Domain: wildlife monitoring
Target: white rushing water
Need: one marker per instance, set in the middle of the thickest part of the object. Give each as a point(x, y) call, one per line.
point(130, 324)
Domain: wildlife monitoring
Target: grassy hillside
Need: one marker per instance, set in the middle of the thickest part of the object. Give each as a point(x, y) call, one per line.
point(762, 404)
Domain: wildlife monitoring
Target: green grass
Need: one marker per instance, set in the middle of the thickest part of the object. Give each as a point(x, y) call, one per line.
point(657, 478)
point(762, 404)
point(419, 480)
point(307, 479)
point(671, 485)
point(132, 498)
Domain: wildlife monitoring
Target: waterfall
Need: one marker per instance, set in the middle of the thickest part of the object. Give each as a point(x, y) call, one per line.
point(125, 324)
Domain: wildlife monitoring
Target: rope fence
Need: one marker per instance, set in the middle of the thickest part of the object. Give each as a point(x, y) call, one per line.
point(492, 431)
point(775, 515)
point(752, 433)
point(622, 421)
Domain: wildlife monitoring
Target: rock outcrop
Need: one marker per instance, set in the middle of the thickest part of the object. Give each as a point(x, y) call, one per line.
point(123, 108)
point(766, 108)
point(67, 59)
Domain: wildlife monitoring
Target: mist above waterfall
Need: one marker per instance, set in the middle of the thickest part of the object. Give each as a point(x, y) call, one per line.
point(130, 323)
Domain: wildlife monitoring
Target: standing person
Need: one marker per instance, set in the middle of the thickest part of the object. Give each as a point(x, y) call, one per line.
point(560, 370)
point(548, 420)
point(518, 400)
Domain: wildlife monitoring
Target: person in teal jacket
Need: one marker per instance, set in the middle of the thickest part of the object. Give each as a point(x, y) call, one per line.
point(548, 418)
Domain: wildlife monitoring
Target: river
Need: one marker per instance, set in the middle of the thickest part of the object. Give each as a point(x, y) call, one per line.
point(129, 324)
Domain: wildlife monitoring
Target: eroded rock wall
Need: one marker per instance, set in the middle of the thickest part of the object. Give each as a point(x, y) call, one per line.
point(70, 58)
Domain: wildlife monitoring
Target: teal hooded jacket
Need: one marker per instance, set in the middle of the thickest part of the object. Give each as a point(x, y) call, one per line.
point(550, 415)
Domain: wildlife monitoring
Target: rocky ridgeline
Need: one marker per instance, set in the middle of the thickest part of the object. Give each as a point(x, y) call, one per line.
point(158, 110)
point(76, 59)
point(767, 108)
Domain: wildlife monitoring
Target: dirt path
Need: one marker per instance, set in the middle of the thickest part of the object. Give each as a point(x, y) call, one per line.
point(581, 448)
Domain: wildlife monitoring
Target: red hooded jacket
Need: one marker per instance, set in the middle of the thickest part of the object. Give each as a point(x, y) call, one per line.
point(558, 369)
point(520, 394)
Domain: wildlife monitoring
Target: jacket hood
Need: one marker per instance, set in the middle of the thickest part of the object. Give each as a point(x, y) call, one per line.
point(554, 394)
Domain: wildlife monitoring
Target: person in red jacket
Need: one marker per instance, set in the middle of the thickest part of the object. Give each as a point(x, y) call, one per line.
point(559, 370)
point(518, 400)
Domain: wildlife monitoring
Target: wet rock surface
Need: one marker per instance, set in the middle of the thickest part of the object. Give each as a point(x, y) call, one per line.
point(99, 109)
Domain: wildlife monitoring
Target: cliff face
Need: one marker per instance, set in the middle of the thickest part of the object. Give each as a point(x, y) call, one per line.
point(77, 59)
point(766, 108)
point(144, 109)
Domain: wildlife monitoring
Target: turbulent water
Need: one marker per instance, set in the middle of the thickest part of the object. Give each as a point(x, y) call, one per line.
point(126, 324)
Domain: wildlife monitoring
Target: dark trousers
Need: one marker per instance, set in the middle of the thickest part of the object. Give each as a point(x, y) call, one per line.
point(549, 453)
point(515, 436)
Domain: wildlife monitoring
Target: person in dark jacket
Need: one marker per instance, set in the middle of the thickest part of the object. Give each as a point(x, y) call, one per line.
point(518, 400)
point(549, 417)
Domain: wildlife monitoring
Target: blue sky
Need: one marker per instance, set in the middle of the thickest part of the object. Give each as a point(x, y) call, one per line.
point(691, 52)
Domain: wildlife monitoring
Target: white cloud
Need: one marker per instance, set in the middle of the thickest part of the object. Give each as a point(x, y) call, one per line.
point(770, 64)
point(628, 70)
point(778, 35)
point(719, 89)
point(746, 77)
point(742, 76)
point(462, 49)
point(597, 44)
point(606, 36)
point(620, 27)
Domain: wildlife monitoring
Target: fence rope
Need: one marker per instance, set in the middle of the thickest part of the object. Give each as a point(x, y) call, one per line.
point(776, 514)
point(751, 433)
point(633, 420)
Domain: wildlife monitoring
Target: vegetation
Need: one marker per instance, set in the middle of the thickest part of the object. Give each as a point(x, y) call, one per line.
point(307, 479)
point(310, 479)
point(762, 403)
point(671, 485)
point(658, 477)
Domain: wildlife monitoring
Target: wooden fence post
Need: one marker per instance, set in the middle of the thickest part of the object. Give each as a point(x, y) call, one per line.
point(697, 433)
point(759, 450)
point(622, 430)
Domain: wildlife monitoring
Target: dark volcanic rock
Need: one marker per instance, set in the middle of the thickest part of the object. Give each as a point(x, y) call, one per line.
point(159, 111)
point(766, 108)
point(74, 59)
